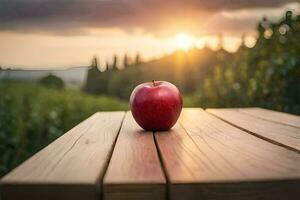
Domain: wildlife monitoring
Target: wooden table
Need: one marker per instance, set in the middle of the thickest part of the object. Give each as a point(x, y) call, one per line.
point(248, 153)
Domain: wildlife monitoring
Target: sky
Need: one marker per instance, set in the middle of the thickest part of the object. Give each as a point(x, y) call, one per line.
point(66, 33)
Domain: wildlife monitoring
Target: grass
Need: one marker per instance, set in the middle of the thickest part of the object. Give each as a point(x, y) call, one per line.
point(32, 116)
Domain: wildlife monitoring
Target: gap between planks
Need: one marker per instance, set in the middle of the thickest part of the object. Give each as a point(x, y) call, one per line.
point(101, 178)
point(163, 167)
point(257, 132)
point(272, 116)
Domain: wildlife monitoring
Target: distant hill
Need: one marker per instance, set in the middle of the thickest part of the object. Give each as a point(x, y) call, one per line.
point(74, 76)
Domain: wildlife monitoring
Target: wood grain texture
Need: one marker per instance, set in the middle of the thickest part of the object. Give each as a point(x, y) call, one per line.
point(275, 116)
point(70, 167)
point(134, 171)
point(277, 133)
point(207, 158)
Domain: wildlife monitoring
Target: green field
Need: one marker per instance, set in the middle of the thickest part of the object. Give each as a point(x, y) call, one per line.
point(31, 116)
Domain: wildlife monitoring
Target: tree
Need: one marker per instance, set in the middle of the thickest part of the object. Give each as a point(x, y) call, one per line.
point(220, 42)
point(125, 61)
point(92, 84)
point(115, 62)
point(243, 41)
point(137, 59)
point(52, 81)
point(107, 65)
point(95, 62)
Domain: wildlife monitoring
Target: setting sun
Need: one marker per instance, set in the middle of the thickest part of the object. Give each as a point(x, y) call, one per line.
point(184, 41)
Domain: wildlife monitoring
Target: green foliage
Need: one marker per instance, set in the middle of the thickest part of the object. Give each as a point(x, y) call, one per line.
point(32, 116)
point(267, 75)
point(52, 81)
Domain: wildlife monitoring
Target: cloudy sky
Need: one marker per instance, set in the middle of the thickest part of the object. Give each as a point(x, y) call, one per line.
point(63, 33)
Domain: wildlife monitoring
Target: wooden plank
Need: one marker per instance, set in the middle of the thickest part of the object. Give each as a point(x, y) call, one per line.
point(206, 158)
point(286, 136)
point(275, 116)
point(70, 167)
point(134, 171)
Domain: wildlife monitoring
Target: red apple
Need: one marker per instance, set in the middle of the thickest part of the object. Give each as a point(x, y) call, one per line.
point(156, 105)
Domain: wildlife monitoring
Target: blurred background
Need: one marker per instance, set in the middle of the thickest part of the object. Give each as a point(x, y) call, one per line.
point(61, 61)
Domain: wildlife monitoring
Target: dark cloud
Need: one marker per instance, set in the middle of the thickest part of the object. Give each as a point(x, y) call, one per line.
point(74, 16)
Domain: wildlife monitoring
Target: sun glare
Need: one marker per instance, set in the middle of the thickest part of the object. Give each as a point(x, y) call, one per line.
point(184, 41)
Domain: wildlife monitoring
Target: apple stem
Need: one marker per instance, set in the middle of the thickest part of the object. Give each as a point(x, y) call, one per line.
point(153, 81)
